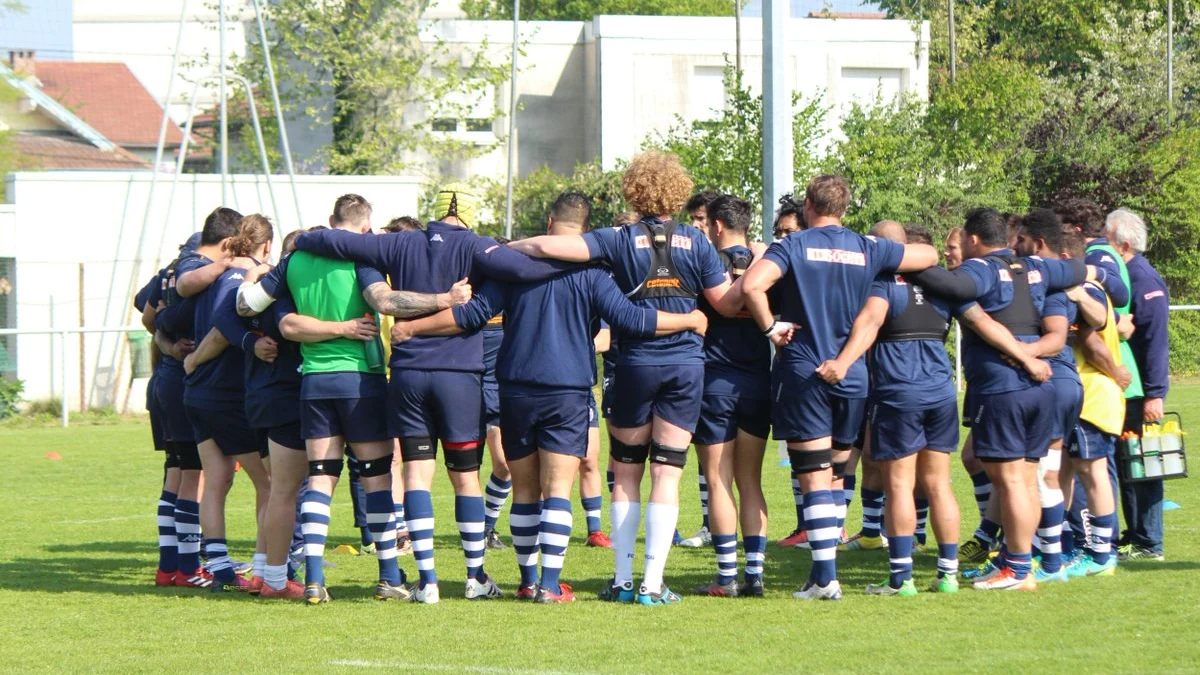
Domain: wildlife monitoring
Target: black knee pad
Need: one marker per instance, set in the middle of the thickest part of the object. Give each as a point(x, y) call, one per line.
point(326, 467)
point(839, 469)
point(171, 460)
point(417, 448)
point(665, 454)
point(628, 454)
point(189, 456)
point(368, 468)
point(808, 461)
point(463, 459)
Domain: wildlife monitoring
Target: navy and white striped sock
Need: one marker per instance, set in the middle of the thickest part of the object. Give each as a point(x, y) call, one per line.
point(219, 563)
point(1100, 542)
point(401, 524)
point(947, 563)
point(314, 525)
point(872, 510)
point(187, 534)
point(726, 547)
point(755, 547)
point(820, 517)
point(987, 531)
point(555, 533)
point(983, 491)
point(381, 519)
point(591, 508)
point(468, 513)
point(168, 540)
point(610, 479)
point(524, 520)
point(900, 559)
point(798, 497)
point(418, 504)
point(1049, 532)
point(922, 519)
point(496, 493)
point(703, 484)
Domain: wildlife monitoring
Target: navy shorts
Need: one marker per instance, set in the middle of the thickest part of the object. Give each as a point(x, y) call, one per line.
point(175, 423)
point(356, 420)
point(437, 404)
point(722, 416)
point(491, 406)
point(158, 427)
point(556, 422)
point(805, 408)
point(186, 454)
point(1089, 442)
point(606, 396)
point(896, 434)
point(593, 414)
point(671, 393)
point(288, 435)
point(1015, 424)
point(1068, 402)
point(227, 428)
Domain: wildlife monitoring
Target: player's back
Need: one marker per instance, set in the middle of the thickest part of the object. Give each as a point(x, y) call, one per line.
point(327, 289)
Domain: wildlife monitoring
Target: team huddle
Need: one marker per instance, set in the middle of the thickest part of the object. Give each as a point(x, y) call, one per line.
point(832, 341)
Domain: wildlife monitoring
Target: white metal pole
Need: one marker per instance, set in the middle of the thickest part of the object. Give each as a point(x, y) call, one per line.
point(262, 153)
point(953, 65)
point(958, 378)
point(224, 121)
point(283, 134)
point(777, 109)
point(512, 122)
point(1170, 61)
point(62, 356)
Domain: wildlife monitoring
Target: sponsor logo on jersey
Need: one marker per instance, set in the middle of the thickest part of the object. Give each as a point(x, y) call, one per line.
point(681, 241)
point(641, 241)
point(663, 272)
point(899, 278)
point(1152, 295)
point(837, 256)
point(664, 283)
point(1035, 276)
point(436, 237)
point(1005, 276)
point(236, 275)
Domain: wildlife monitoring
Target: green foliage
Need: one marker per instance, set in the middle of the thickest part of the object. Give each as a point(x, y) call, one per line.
point(584, 10)
point(1183, 329)
point(10, 396)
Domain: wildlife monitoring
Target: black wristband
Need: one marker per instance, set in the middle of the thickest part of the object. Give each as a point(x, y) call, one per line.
point(770, 328)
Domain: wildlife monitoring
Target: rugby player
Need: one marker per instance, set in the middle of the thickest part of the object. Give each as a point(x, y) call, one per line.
point(659, 264)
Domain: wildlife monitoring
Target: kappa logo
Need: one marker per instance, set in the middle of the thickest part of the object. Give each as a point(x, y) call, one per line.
point(837, 256)
point(436, 237)
point(236, 275)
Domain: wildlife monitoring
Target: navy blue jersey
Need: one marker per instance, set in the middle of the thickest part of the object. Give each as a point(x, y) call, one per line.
point(431, 261)
point(179, 317)
point(549, 326)
point(493, 335)
point(909, 374)
point(1113, 284)
point(611, 356)
point(626, 249)
point(217, 384)
point(143, 294)
point(1149, 305)
point(167, 365)
point(985, 368)
point(272, 390)
point(737, 356)
point(1063, 363)
point(827, 273)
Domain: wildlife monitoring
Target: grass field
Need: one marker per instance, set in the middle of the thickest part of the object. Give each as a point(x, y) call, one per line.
point(78, 552)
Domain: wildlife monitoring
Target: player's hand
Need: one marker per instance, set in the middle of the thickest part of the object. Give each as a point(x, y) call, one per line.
point(1038, 369)
point(255, 273)
point(757, 249)
point(189, 364)
point(1031, 348)
point(1124, 377)
point(266, 349)
point(401, 331)
point(460, 293)
point(182, 348)
point(1152, 409)
point(362, 328)
point(699, 322)
point(781, 333)
point(832, 371)
point(1075, 293)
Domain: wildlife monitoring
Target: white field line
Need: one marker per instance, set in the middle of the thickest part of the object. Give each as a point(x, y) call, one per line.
point(114, 519)
point(447, 668)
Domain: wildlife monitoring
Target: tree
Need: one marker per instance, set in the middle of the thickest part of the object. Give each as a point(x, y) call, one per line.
point(360, 67)
point(584, 10)
point(533, 195)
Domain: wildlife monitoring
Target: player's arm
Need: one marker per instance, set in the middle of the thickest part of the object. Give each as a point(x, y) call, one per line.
point(467, 318)
point(996, 335)
point(757, 280)
point(209, 348)
point(508, 264)
point(957, 285)
point(177, 349)
point(1063, 274)
point(1097, 353)
point(148, 313)
point(862, 335)
point(571, 248)
point(259, 289)
point(1053, 339)
point(300, 328)
point(193, 282)
point(917, 257)
point(1094, 312)
point(405, 304)
point(602, 342)
point(1150, 309)
point(368, 249)
point(1113, 284)
point(1125, 326)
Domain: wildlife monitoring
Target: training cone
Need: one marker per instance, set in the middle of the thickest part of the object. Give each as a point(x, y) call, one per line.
point(346, 548)
point(53, 455)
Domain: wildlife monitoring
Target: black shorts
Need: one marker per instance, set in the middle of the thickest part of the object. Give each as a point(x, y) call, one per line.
point(227, 428)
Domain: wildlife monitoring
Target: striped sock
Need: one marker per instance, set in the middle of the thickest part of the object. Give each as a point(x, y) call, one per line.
point(900, 559)
point(524, 519)
point(726, 547)
point(987, 531)
point(401, 524)
point(1068, 539)
point(496, 493)
point(755, 547)
point(872, 509)
point(922, 519)
point(554, 533)
point(314, 523)
point(1049, 532)
point(469, 514)
point(947, 564)
point(848, 485)
point(983, 491)
point(381, 519)
point(839, 508)
point(419, 506)
point(219, 563)
point(798, 497)
point(703, 483)
point(610, 479)
point(821, 520)
point(591, 508)
point(187, 533)
point(1100, 543)
point(168, 540)
point(625, 518)
point(1020, 563)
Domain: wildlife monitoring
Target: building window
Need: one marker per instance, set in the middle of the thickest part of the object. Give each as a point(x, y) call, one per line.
point(467, 114)
point(443, 124)
point(707, 92)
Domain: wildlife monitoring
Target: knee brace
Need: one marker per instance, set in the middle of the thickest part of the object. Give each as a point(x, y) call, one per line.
point(171, 461)
point(368, 468)
point(326, 467)
point(808, 461)
point(839, 468)
point(665, 454)
point(463, 456)
point(626, 453)
point(1051, 462)
point(189, 457)
point(417, 448)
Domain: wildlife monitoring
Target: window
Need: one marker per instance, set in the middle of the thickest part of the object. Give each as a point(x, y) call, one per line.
point(707, 92)
point(467, 114)
point(444, 124)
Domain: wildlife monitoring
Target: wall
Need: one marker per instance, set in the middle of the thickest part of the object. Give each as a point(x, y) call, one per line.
point(68, 224)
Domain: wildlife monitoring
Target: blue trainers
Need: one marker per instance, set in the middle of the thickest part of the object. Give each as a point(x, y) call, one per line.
point(980, 571)
point(614, 592)
point(1087, 567)
point(677, 539)
point(665, 597)
point(1043, 577)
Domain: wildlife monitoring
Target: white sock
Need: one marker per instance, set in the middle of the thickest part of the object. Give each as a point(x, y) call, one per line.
point(660, 530)
point(275, 576)
point(626, 517)
point(259, 561)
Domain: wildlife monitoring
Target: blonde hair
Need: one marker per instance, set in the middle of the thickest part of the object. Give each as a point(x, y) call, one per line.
point(656, 183)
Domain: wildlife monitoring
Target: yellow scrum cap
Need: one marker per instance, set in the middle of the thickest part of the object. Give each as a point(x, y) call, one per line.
point(458, 200)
